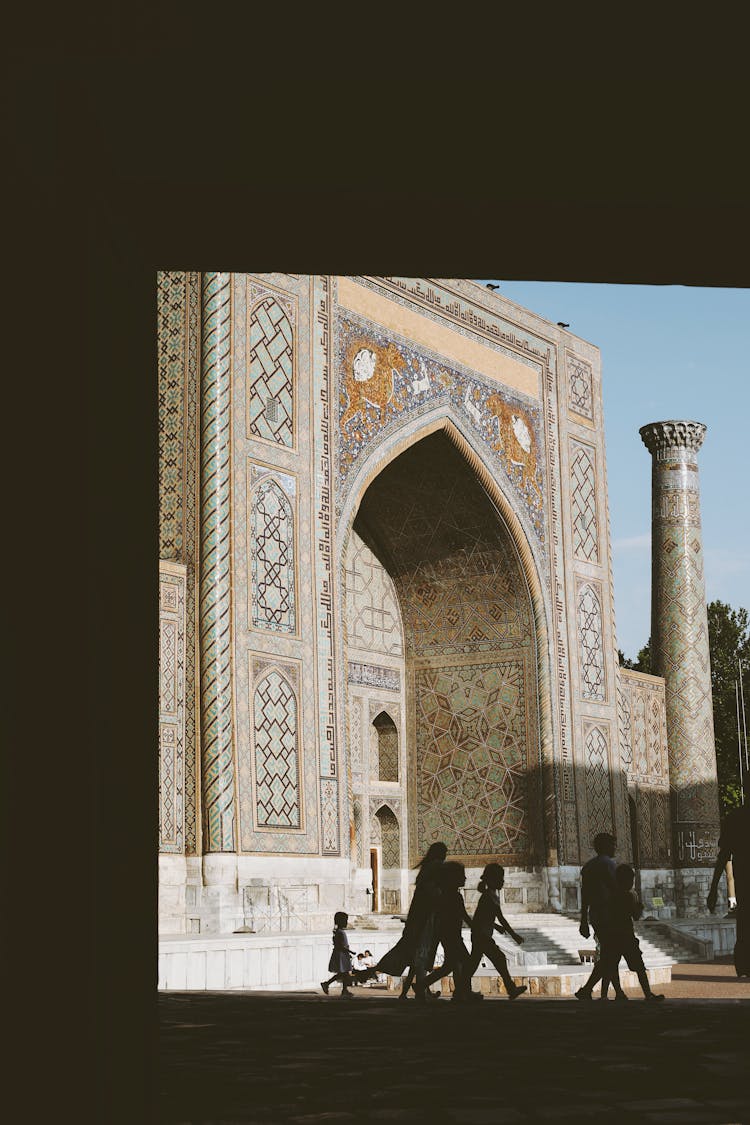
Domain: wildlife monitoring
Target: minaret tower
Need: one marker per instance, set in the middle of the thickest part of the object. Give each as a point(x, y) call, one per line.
point(679, 650)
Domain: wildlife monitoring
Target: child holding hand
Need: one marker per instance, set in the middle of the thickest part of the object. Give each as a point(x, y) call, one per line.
point(483, 926)
point(625, 907)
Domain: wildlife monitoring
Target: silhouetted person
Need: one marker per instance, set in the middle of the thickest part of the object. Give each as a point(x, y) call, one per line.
point(734, 844)
point(597, 891)
point(484, 924)
point(451, 913)
point(625, 907)
point(340, 963)
point(418, 944)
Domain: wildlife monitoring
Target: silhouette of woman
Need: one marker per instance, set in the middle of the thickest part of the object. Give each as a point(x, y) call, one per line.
point(451, 914)
point(417, 946)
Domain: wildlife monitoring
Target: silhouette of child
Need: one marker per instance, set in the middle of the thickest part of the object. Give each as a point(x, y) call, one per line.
point(625, 907)
point(340, 963)
point(597, 893)
point(451, 913)
point(483, 926)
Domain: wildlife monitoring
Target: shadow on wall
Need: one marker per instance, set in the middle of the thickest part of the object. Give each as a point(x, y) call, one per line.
point(673, 868)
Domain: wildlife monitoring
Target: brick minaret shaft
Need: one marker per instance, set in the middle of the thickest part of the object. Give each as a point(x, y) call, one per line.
point(679, 637)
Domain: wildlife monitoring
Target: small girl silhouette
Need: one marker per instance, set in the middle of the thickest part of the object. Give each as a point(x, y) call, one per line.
point(483, 926)
point(340, 963)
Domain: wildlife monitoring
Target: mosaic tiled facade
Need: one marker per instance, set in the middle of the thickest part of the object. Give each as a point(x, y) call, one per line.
point(270, 371)
point(598, 790)
point(646, 762)
point(679, 635)
point(471, 755)
point(583, 494)
point(171, 707)
point(591, 641)
point(389, 500)
point(580, 389)
point(277, 766)
point(272, 558)
point(178, 312)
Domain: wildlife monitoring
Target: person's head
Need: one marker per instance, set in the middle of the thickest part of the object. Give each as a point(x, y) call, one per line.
point(360, 956)
point(340, 920)
point(493, 877)
point(452, 876)
point(436, 853)
point(367, 953)
point(604, 844)
point(625, 876)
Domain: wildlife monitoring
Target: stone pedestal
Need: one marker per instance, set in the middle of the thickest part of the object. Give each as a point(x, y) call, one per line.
point(679, 648)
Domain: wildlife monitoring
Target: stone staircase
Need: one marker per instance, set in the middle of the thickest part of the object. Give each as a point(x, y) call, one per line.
point(553, 939)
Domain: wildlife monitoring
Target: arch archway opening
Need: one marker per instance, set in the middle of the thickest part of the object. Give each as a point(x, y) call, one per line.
point(470, 650)
point(387, 747)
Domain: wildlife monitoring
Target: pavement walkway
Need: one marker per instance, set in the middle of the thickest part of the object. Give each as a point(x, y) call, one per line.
point(305, 1058)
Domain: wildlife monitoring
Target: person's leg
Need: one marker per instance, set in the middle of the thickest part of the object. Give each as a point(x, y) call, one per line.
point(584, 992)
point(500, 961)
point(407, 983)
point(635, 962)
point(346, 982)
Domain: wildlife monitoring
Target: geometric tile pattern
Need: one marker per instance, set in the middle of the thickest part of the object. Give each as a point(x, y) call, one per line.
point(272, 559)
point(645, 758)
point(384, 384)
point(580, 394)
point(387, 756)
point(660, 831)
point(171, 710)
point(191, 558)
point(680, 630)
point(178, 315)
point(373, 621)
point(625, 726)
point(471, 759)
point(583, 497)
point(171, 337)
point(270, 368)
point(277, 771)
point(640, 749)
point(329, 813)
point(215, 593)
point(355, 734)
point(591, 643)
point(598, 794)
point(644, 827)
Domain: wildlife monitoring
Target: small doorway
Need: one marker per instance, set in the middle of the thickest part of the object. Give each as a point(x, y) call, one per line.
point(375, 875)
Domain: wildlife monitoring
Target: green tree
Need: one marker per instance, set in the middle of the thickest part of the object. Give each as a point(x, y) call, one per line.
point(729, 642)
point(643, 661)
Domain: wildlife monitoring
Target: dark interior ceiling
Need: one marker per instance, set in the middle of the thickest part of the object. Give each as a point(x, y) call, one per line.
point(426, 508)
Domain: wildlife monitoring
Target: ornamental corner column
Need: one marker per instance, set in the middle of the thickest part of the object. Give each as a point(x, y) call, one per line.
point(679, 641)
point(218, 800)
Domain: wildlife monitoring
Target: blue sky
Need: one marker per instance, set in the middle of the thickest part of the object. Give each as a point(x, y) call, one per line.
point(667, 352)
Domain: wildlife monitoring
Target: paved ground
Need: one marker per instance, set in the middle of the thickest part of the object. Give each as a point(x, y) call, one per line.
point(305, 1058)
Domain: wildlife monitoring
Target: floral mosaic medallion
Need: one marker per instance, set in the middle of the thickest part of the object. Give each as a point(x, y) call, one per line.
point(383, 384)
point(471, 759)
